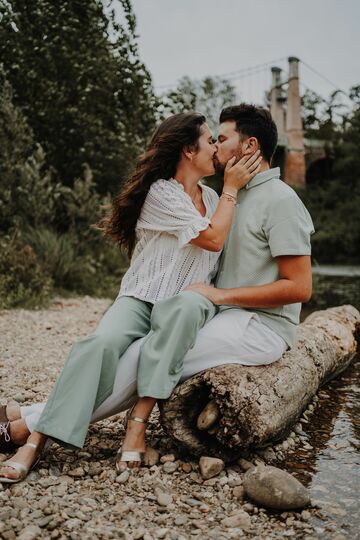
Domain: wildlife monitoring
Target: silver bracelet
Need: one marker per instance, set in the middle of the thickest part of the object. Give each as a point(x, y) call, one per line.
point(229, 195)
point(229, 198)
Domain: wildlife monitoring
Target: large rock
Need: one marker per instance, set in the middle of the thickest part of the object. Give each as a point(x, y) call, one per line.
point(209, 416)
point(274, 488)
point(210, 467)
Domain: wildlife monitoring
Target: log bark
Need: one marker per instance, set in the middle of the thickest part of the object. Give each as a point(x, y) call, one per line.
point(255, 406)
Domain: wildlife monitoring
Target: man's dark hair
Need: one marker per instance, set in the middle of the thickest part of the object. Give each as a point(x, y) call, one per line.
point(254, 122)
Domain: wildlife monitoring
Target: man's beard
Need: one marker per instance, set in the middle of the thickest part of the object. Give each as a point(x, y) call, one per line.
point(220, 167)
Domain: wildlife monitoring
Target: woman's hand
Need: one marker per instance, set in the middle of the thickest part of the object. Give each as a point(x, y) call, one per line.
point(238, 175)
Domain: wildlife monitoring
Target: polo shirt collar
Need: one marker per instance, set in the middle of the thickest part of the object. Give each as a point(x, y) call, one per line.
point(264, 176)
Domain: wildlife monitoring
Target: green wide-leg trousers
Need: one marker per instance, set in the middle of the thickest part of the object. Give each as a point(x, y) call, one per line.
point(175, 323)
point(88, 376)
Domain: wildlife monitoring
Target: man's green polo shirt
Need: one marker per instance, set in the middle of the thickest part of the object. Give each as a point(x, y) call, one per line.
point(270, 220)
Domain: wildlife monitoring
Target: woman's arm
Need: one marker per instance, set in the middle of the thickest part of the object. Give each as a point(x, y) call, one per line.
point(235, 177)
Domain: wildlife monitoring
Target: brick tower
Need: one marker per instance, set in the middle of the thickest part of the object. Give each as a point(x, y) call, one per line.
point(294, 173)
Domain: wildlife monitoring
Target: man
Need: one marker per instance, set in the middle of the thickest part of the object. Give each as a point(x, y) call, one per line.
point(266, 263)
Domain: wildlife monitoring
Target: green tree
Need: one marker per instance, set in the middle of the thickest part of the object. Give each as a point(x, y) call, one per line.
point(27, 198)
point(207, 96)
point(46, 238)
point(354, 94)
point(311, 113)
point(334, 203)
point(324, 118)
point(27, 193)
point(77, 76)
point(347, 165)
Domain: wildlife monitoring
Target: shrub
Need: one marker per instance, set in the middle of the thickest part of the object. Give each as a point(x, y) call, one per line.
point(82, 267)
point(23, 282)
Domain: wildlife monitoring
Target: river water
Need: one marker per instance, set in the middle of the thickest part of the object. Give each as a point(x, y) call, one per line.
point(335, 285)
point(330, 467)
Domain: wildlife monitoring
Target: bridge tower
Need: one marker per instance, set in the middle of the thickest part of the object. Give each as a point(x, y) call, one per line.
point(277, 100)
point(286, 112)
point(295, 168)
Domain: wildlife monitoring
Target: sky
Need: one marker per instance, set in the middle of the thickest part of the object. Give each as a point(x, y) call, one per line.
point(213, 37)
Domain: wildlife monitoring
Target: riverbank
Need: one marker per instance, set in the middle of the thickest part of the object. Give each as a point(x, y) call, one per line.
point(78, 495)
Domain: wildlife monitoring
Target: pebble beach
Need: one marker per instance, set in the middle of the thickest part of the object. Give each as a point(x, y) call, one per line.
point(79, 495)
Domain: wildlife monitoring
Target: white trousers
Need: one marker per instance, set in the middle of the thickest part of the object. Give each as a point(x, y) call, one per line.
point(234, 336)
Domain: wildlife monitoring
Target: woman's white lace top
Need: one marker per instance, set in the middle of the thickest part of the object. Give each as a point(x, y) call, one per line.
point(163, 261)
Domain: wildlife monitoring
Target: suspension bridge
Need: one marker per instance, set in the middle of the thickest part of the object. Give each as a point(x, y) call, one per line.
point(277, 84)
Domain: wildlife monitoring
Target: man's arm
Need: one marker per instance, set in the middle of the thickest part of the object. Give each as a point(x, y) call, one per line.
point(294, 285)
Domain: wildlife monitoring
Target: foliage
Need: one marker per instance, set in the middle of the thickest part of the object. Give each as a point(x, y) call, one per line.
point(335, 212)
point(37, 262)
point(74, 265)
point(77, 77)
point(207, 96)
point(22, 279)
point(347, 166)
point(46, 237)
point(27, 193)
point(311, 103)
point(354, 94)
point(334, 204)
point(323, 118)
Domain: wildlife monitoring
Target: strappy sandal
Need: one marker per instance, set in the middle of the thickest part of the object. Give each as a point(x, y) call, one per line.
point(6, 443)
point(18, 467)
point(133, 455)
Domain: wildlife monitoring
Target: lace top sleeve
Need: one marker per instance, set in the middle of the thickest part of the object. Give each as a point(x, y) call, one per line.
point(167, 208)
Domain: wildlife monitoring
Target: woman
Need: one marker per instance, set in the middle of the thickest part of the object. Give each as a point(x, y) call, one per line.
point(173, 228)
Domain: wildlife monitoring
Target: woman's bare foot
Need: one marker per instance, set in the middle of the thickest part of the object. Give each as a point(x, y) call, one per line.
point(26, 455)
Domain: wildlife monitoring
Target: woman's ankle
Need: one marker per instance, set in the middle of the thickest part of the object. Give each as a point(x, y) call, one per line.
point(37, 438)
point(144, 407)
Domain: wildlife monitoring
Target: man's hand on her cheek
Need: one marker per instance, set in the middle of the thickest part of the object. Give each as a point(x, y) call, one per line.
point(210, 292)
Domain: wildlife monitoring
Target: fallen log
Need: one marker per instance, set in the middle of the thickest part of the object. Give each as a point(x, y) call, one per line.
point(224, 410)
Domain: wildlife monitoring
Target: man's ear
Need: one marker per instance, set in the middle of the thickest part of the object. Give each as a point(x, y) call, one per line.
point(252, 145)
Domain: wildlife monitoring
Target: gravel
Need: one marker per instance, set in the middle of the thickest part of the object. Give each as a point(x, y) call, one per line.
point(79, 495)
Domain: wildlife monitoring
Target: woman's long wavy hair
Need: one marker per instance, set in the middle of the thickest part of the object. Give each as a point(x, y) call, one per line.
point(160, 160)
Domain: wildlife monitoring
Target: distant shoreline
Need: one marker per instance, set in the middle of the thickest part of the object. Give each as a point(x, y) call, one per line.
point(336, 270)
